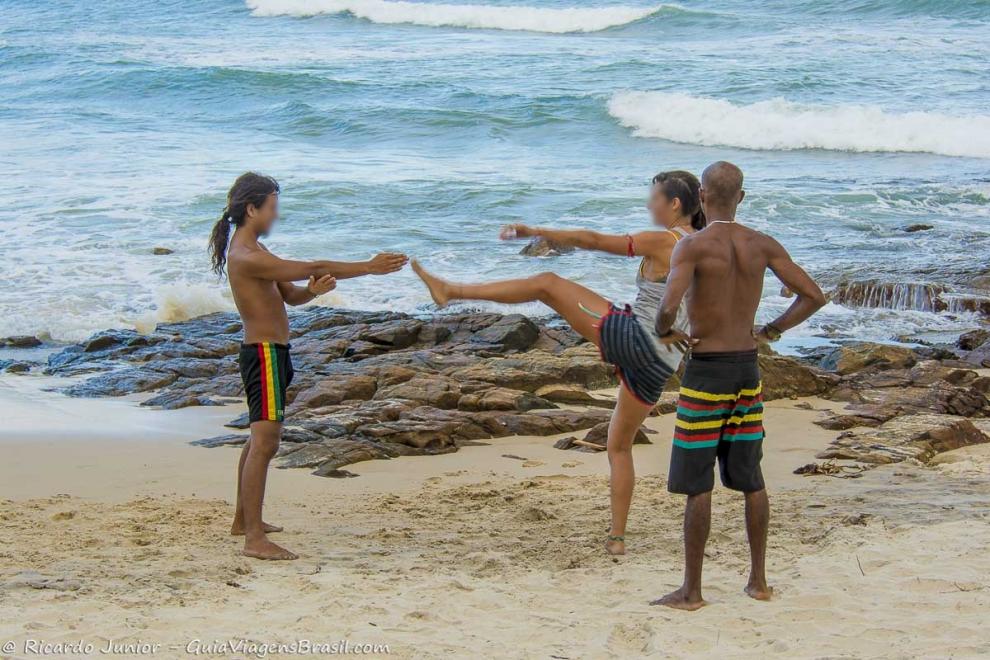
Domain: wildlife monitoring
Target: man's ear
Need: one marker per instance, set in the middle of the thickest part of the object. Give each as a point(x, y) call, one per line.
point(742, 196)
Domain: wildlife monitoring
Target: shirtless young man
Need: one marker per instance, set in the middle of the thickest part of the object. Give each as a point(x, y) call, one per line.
point(262, 285)
point(720, 410)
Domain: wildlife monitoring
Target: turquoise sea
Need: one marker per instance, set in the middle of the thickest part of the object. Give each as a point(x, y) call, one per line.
point(423, 127)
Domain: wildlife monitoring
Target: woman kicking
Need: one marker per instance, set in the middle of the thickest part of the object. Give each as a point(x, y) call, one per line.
point(625, 336)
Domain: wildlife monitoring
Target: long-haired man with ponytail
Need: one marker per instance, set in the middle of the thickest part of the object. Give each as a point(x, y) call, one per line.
point(263, 285)
point(625, 335)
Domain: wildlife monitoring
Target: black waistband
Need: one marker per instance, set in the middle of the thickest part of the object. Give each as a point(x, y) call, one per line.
point(284, 347)
point(731, 357)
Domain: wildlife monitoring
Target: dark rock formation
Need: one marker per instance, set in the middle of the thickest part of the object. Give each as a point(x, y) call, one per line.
point(20, 341)
point(542, 247)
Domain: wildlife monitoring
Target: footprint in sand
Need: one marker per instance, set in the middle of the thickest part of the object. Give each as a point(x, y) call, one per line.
point(529, 464)
point(631, 637)
point(571, 464)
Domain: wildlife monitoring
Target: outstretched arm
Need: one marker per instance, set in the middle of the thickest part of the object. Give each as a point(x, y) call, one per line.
point(647, 243)
point(380, 264)
point(678, 281)
point(265, 265)
point(809, 296)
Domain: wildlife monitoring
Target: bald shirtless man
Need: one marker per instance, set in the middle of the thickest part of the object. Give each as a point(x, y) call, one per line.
point(262, 285)
point(720, 409)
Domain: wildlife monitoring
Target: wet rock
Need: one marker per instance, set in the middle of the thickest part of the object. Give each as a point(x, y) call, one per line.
point(176, 400)
point(977, 346)
point(544, 247)
point(15, 366)
point(122, 382)
point(918, 227)
point(851, 358)
point(917, 437)
point(892, 295)
point(20, 341)
point(970, 341)
point(233, 439)
point(161, 251)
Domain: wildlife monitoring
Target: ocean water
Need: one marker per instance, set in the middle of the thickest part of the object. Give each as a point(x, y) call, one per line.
point(423, 127)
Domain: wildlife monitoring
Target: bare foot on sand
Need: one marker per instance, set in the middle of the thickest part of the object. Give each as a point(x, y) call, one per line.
point(759, 591)
point(615, 546)
point(237, 529)
point(437, 287)
point(680, 600)
point(264, 549)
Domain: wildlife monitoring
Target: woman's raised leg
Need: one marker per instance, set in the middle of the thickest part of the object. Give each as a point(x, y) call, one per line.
point(563, 296)
point(628, 416)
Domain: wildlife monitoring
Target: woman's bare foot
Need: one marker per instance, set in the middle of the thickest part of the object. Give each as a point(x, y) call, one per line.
point(262, 548)
point(437, 287)
point(237, 529)
point(759, 591)
point(681, 600)
point(615, 545)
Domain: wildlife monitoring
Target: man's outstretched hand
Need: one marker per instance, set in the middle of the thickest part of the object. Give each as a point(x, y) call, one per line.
point(325, 284)
point(386, 262)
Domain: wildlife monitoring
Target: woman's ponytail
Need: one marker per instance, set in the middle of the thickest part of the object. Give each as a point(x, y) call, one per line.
point(698, 220)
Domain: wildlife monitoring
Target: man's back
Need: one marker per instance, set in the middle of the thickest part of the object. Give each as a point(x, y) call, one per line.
point(729, 265)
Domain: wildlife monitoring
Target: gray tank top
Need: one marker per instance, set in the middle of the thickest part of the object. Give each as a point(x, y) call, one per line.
point(648, 298)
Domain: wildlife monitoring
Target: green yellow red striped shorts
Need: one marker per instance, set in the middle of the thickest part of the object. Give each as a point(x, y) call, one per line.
point(719, 418)
point(266, 370)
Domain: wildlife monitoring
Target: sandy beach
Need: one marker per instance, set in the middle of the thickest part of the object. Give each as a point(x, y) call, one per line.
point(119, 535)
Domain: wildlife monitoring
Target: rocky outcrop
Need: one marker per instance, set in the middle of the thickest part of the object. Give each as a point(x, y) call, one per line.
point(20, 341)
point(368, 385)
point(378, 385)
point(918, 437)
point(786, 377)
point(851, 358)
point(976, 345)
point(543, 247)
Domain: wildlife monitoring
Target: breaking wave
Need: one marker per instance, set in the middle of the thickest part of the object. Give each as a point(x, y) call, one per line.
point(778, 124)
point(490, 17)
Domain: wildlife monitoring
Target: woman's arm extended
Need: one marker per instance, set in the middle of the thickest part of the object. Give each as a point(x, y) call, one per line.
point(642, 244)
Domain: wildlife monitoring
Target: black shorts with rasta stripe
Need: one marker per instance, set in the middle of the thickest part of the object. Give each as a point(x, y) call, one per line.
point(624, 343)
point(266, 370)
point(719, 418)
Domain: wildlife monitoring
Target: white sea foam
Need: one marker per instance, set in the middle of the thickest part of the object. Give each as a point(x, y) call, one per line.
point(778, 124)
point(491, 17)
point(182, 301)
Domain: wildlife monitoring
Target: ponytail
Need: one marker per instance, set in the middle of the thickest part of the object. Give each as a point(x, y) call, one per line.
point(698, 220)
point(249, 189)
point(218, 243)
